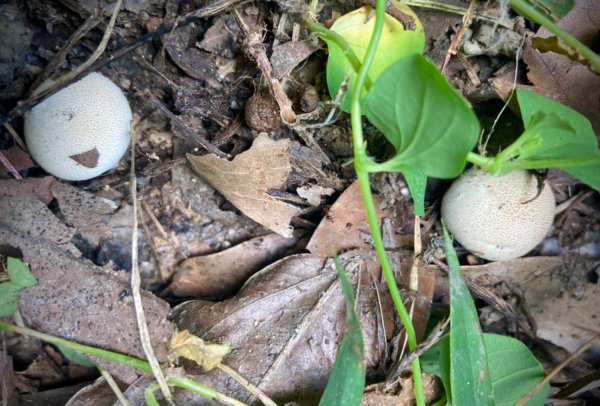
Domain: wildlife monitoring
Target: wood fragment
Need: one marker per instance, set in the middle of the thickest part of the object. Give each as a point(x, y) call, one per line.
point(255, 49)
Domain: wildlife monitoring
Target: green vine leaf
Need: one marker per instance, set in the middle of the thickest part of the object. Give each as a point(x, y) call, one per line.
point(356, 28)
point(431, 126)
point(555, 136)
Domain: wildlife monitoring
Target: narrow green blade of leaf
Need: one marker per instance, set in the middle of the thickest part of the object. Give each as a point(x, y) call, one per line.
point(75, 356)
point(514, 370)
point(589, 174)
point(19, 273)
point(417, 183)
point(347, 380)
point(470, 378)
point(436, 360)
point(431, 126)
point(9, 298)
point(356, 28)
point(149, 395)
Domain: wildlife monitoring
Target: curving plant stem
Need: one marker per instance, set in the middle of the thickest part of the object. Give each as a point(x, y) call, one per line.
point(527, 10)
point(361, 161)
point(140, 365)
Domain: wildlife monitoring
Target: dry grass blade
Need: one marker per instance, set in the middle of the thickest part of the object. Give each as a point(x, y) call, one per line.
point(80, 69)
point(136, 282)
point(115, 388)
point(557, 369)
point(60, 56)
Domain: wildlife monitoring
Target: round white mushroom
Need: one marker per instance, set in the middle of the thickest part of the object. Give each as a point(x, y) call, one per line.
point(81, 131)
point(498, 217)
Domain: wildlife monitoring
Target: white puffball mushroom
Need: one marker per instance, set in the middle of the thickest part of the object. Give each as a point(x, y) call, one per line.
point(498, 217)
point(81, 131)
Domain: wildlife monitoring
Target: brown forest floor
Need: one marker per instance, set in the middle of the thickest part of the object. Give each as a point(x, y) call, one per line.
point(276, 203)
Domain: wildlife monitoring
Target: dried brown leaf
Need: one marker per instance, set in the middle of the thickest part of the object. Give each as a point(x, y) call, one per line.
point(219, 275)
point(287, 56)
point(286, 323)
point(80, 301)
point(86, 212)
point(247, 180)
point(566, 317)
point(344, 227)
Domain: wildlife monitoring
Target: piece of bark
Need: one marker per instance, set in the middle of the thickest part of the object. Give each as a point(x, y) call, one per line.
point(29, 188)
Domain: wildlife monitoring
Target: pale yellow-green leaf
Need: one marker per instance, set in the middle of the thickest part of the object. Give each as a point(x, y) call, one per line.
point(207, 355)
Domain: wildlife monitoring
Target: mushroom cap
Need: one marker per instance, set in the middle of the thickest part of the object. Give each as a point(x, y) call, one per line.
point(495, 217)
point(81, 131)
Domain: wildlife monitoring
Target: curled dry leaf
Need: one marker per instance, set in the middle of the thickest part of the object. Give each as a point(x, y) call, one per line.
point(247, 180)
point(219, 275)
point(186, 345)
point(286, 57)
point(98, 393)
point(286, 323)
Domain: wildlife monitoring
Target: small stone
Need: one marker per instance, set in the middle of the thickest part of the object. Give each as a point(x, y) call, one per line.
point(262, 114)
point(307, 98)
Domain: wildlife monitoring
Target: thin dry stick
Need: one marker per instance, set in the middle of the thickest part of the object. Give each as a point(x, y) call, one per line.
point(171, 239)
point(255, 49)
point(60, 56)
point(113, 385)
point(152, 246)
point(15, 136)
point(178, 122)
point(380, 307)
point(434, 337)
point(482, 147)
point(449, 8)
point(81, 68)
point(247, 384)
point(9, 167)
point(136, 283)
point(556, 370)
point(467, 19)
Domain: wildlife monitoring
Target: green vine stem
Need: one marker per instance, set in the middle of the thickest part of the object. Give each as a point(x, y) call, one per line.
point(360, 163)
point(527, 10)
point(141, 365)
